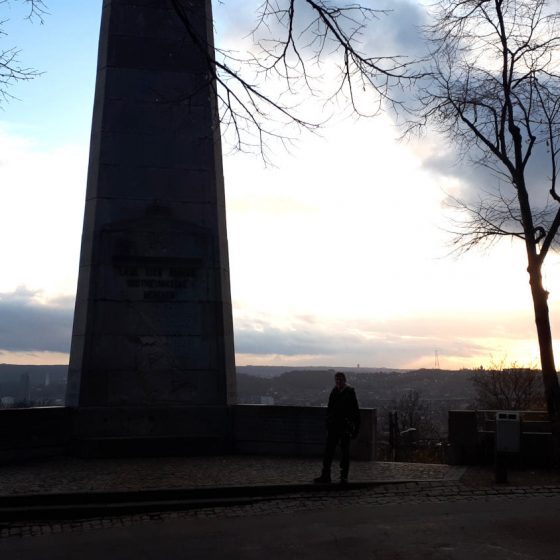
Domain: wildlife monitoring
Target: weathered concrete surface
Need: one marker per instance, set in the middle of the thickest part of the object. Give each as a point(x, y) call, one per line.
point(519, 528)
point(153, 327)
point(438, 519)
point(153, 312)
point(296, 431)
point(290, 431)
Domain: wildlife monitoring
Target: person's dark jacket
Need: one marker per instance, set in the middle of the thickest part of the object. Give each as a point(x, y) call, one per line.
point(343, 412)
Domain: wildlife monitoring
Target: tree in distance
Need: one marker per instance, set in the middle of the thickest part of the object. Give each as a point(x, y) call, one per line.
point(493, 89)
point(507, 388)
point(411, 428)
point(414, 413)
point(11, 70)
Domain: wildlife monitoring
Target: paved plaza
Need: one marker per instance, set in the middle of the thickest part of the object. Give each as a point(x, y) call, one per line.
point(392, 511)
point(139, 474)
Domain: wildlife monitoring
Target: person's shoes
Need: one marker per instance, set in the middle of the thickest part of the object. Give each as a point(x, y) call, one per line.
point(323, 479)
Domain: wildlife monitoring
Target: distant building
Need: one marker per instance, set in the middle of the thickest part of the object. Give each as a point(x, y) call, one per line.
point(7, 402)
point(24, 387)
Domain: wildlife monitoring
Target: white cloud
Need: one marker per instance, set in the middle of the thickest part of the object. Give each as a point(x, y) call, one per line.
point(337, 255)
point(406, 342)
point(31, 323)
point(42, 196)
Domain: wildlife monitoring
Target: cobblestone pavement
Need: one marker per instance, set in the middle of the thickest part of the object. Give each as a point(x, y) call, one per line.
point(74, 475)
point(423, 483)
point(402, 494)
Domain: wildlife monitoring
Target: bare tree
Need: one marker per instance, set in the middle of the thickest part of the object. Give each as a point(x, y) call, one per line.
point(11, 70)
point(414, 413)
point(291, 40)
point(494, 91)
point(508, 388)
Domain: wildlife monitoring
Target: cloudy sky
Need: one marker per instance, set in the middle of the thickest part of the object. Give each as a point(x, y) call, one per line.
point(339, 253)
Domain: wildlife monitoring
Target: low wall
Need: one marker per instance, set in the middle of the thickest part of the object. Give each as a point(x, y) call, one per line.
point(297, 431)
point(31, 433)
point(472, 439)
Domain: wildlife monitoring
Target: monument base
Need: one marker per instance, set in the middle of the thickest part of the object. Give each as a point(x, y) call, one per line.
point(151, 431)
point(149, 446)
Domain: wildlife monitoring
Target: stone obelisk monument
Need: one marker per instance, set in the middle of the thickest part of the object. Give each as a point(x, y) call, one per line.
point(152, 348)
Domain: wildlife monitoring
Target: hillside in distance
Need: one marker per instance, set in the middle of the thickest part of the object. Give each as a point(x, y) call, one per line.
point(309, 386)
point(275, 371)
point(438, 390)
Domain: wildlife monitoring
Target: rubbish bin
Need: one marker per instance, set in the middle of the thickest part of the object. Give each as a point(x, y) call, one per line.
point(508, 432)
point(508, 442)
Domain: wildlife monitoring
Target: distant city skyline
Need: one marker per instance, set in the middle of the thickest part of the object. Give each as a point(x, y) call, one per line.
point(338, 253)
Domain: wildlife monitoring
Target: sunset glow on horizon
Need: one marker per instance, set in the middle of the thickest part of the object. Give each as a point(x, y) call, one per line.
point(339, 253)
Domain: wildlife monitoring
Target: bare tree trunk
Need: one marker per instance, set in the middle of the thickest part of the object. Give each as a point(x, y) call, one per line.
point(544, 334)
point(539, 294)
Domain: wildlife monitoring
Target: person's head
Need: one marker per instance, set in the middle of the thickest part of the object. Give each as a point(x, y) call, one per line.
point(339, 380)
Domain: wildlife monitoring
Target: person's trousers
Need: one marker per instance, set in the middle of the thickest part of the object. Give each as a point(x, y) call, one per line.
point(335, 438)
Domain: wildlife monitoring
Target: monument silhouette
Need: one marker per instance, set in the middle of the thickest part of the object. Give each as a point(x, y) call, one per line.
point(152, 354)
point(152, 368)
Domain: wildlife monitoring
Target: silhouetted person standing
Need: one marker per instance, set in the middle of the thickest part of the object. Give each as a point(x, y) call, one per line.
point(343, 424)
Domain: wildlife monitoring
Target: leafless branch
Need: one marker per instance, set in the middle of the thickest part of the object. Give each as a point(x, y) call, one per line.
point(494, 91)
point(11, 70)
point(261, 92)
point(483, 222)
point(508, 388)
